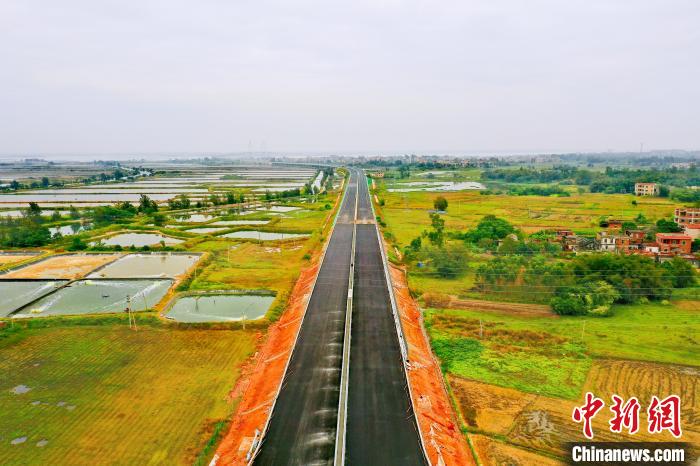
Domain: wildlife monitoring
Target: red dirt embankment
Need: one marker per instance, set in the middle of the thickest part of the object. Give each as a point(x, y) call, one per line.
point(260, 388)
point(444, 442)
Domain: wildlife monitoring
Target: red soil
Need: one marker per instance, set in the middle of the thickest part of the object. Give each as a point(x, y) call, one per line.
point(444, 442)
point(259, 389)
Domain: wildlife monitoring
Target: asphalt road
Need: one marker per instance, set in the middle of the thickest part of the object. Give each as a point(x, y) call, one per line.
point(303, 424)
point(381, 427)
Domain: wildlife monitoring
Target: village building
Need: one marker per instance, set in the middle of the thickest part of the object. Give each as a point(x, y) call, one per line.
point(646, 189)
point(606, 241)
point(692, 230)
point(674, 243)
point(686, 215)
point(636, 238)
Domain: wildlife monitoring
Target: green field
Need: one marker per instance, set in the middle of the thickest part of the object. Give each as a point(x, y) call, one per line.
point(552, 355)
point(104, 394)
point(406, 214)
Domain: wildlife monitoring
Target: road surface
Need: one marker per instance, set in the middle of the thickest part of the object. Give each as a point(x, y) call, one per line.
point(381, 427)
point(303, 423)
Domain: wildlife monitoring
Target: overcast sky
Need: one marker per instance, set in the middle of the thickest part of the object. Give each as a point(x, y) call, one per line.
point(116, 76)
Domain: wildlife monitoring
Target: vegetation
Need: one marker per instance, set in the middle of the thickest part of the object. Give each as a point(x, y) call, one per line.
point(159, 391)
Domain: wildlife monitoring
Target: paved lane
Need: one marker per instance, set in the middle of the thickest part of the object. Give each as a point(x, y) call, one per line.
point(303, 424)
point(381, 427)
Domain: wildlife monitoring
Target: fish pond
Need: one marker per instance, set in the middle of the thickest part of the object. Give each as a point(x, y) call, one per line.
point(263, 235)
point(147, 266)
point(220, 308)
point(139, 239)
point(98, 297)
point(16, 294)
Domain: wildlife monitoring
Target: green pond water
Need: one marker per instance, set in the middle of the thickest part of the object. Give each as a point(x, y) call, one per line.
point(99, 297)
point(262, 235)
point(147, 266)
point(16, 294)
point(220, 308)
point(138, 239)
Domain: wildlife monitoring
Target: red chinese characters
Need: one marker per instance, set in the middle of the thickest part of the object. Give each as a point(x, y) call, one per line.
point(587, 412)
point(626, 415)
point(665, 415)
point(662, 415)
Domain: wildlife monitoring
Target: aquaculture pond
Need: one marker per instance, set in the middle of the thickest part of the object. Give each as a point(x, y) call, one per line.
point(147, 266)
point(220, 308)
point(241, 222)
point(193, 218)
point(67, 230)
point(206, 230)
point(263, 235)
point(139, 239)
point(440, 186)
point(98, 297)
point(16, 294)
point(89, 197)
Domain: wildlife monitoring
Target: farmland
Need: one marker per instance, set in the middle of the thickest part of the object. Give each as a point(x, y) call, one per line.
point(109, 394)
point(91, 388)
point(514, 368)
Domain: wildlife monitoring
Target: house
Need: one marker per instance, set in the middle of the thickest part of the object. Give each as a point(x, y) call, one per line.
point(636, 238)
point(674, 243)
point(615, 224)
point(646, 189)
point(651, 248)
point(376, 175)
point(692, 230)
point(686, 215)
point(567, 239)
point(606, 242)
point(564, 233)
point(622, 243)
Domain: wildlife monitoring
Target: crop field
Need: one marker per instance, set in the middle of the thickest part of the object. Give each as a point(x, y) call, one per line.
point(106, 394)
point(518, 376)
point(543, 423)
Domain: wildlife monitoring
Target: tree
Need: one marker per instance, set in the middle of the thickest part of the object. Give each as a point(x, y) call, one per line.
point(159, 219)
point(436, 236)
point(56, 215)
point(146, 205)
point(682, 273)
point(77, 244)
point(45, 182)
point(73, 212)
point(490, 227)
point(667, 226)
point(593, 298)
point(440, 203)
point(34, 210)
point(448, 262)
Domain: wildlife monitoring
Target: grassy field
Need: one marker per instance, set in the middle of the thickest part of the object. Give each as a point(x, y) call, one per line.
point(109, 395)
point(406, 214)
point(551, 355)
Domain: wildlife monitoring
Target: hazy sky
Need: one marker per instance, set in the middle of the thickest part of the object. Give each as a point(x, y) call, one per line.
point(109, 76)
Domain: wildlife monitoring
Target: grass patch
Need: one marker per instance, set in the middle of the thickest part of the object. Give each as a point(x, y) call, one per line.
point(120, 396)
point(530, 361)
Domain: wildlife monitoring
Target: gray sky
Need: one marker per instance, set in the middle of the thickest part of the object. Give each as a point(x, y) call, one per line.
point(108, 76)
